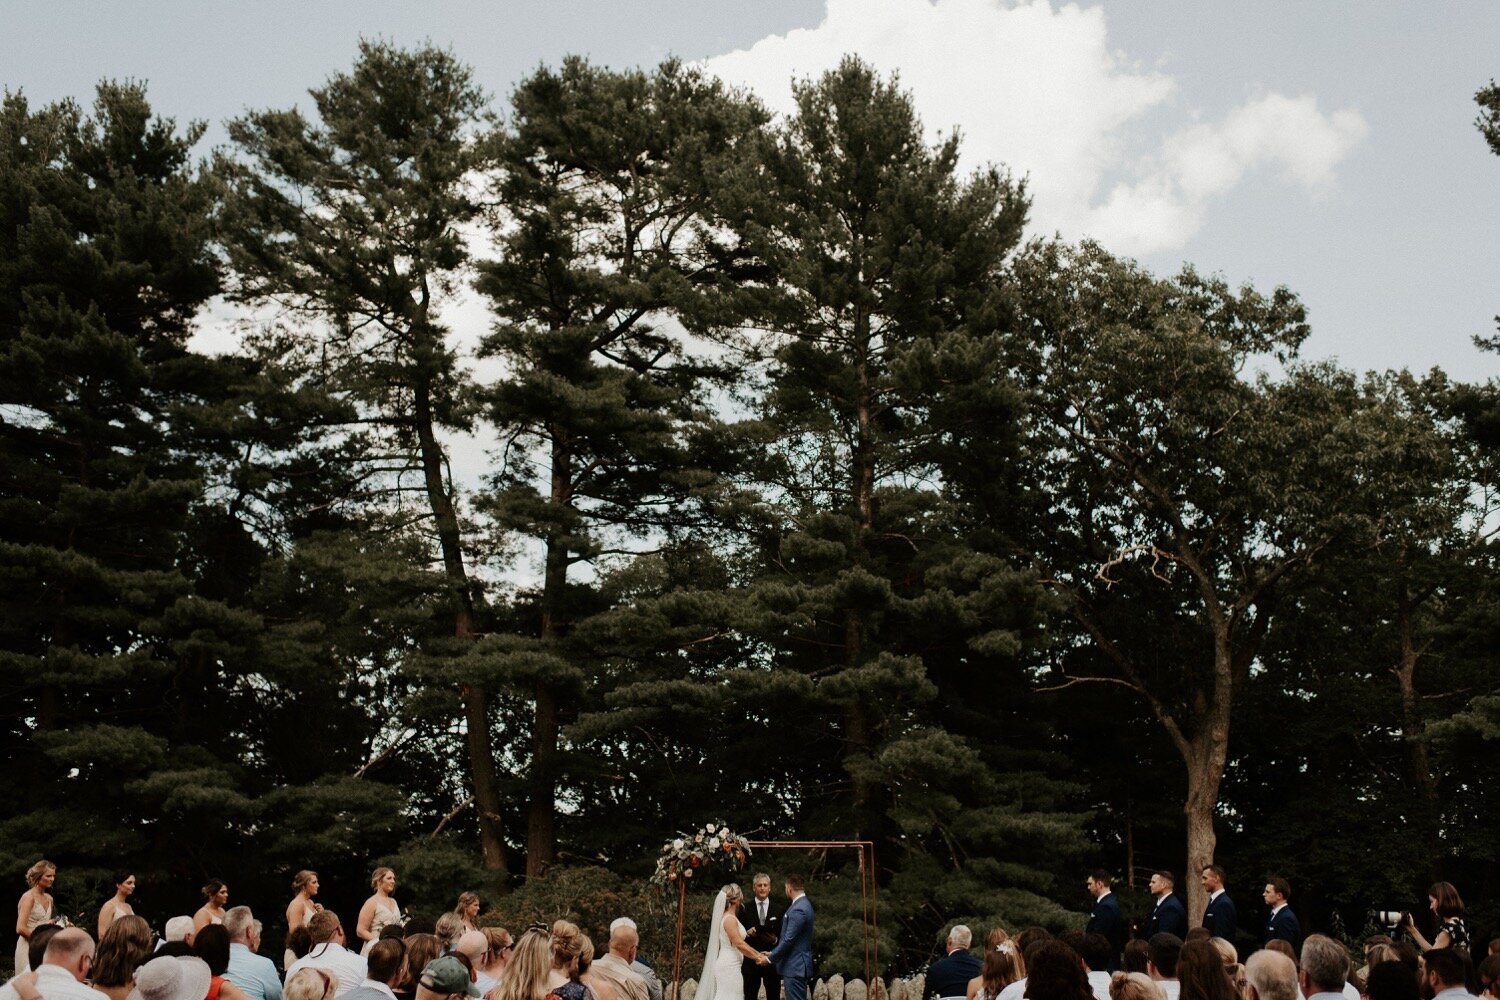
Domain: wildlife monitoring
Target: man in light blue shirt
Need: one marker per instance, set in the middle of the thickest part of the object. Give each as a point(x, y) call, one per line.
point(1443, 973)
point(254, 974)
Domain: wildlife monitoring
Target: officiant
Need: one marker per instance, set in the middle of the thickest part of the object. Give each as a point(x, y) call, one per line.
point(761, 917)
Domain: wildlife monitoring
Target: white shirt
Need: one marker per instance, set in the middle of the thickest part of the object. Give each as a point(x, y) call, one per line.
point(1170, 987)
point(1015, 991)
point(348, 967)
point(1099, 982)
point(54, 982)
point(1211, 897)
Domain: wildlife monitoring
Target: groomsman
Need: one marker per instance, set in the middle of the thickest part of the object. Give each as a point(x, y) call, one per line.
point(1106, 918)
point(761, 917)
point(1282, 924)
point(1219, 916)
point(1169, 916)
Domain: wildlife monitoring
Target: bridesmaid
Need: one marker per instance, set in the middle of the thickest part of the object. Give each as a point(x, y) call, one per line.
point(119, 906)
point(33, 909)
point(215, 894)
point(468, 909)
point(301, 909)
point(379, 910)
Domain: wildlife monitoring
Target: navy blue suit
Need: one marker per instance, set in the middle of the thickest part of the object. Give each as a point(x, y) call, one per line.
point(1107, 919)
point(1284, 926)
point(1169, 917)
point(1220, 918)
point(949, 977)
point(792, 955)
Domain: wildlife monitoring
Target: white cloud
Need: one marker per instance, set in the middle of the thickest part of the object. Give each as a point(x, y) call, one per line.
point(1038, 89)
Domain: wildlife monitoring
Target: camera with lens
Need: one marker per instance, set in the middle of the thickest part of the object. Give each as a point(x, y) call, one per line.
point(1390, 919)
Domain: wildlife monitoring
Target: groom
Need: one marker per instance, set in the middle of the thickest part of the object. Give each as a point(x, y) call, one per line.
point(792, 955)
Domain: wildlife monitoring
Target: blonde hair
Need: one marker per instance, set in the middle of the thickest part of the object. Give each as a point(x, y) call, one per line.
point(464, 899)
point(526, 974)
point(567, 943)
point(303, 879)
point(733, 894)
point(1134, 986)
point(1226, 951)
point(379, 874)
point(310, 984)
point(35, 872)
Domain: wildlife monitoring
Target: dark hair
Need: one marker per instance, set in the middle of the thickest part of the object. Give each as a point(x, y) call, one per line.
point(1055, 972)
point(384, 959)
point(121, 877)
point(299, 940)
point(1095, 950)
point(1446, 963)
point(1216, 869)
point(324, 926)
point(1392, 981)
point(420, 925)
point(1198, 934)
point(1164, 951)
point(1165, 875)
point(1200, 968)
point(174, 949)
point(212, 945)
point(1100, 875)
point(1284, 948)
point(796, 882)
point(1448, 902)
point(391, 932)
point(36, 950)
point(126, 943)
point(1002, 966)
point(211, 890)
point(1281, 885)
point(1032, 936)
point(1137, 954)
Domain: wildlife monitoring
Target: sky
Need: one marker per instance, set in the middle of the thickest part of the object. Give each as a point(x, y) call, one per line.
point(1327, 146)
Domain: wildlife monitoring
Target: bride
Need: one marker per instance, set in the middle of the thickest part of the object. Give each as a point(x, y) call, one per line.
point(726, 950)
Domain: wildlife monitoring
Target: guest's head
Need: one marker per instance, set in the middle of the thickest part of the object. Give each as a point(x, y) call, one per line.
point(1002, 966)
point(1325, 965)
point(391, 932)
point(449, 926)
point(1489, 975)
point(567, 945)
point(472, 945)
point(299, 941)
point(70, 949)
point(1270, 975)
point(996, 936)
point(1137, 955)
point(1443, 969)
point(171, 977)
point(1200, 969)
point(239, 922)
point(1392, 981)
point(179, 929)
point(212, 945)
point(960, 937)
point(585, 957)
point(1382, 951)
point(1284, 948)
point(499, 944)
point(1198, 934)
point(1030, 937)
point(126, 944)
point(1164, 950)
point(623, 942)
point(36, 950)
point(1095, 951)
point(445, 977)
point(421, 949)
point(1134, 986)
point(383, 963)
point(1055, 972)
point(310, 984)
point(1227, 951)
point(325, 928)
point(419, 925)
point(526, 974)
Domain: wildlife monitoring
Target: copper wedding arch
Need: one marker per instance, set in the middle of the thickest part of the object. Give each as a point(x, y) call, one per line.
point(867, 900)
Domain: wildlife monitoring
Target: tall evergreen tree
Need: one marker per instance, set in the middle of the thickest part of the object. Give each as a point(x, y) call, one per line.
point(355, 225)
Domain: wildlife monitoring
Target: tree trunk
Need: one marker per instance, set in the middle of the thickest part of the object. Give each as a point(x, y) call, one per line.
point(859, 727)
point(1206, 755)
point(476, 705)
point(541, 824)
point(1414, 734)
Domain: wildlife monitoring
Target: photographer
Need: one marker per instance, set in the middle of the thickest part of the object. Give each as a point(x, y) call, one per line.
point(1446, 905)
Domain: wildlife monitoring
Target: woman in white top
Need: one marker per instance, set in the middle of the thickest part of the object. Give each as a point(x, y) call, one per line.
point(119, 905)
point(33, 909)
point(379, 910)
point(727, 949)
point(215, 896)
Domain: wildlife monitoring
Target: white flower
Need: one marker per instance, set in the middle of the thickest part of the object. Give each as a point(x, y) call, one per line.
point(713, 844)
point(709, 828)
point(677, 844)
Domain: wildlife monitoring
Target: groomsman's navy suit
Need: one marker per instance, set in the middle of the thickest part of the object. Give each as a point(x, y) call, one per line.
point(792, 955)
point(1107, 919)
point(1220, 918)
point(1284, 926)
point(1169, 917)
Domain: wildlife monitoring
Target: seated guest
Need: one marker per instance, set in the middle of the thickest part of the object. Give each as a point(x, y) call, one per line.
point(125, 946)
point(614, 965)
point(529, 970)
point(445, 978)
point(329, 954)
point(421, 949)
point(311, 984)
point(1162, 964)
point(1002, 966)
point(1489, 976)
point(1055, 972)
point(63, 972)
point(949, 976)
point(1392, 981)
point(1443, 973)
point(1201, 974)
point(449, 926)
point(383, 971)
point(1270, 975)
point(640, 968)
point(1137, 954)
point(254, 974)
point(211, 944)
point(473, 945)
point(1324, 969)
point(1133, 985)
point(172, 977)
point(178, 929)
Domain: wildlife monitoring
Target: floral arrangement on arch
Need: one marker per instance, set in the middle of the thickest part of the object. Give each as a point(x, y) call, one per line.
point(714, 844)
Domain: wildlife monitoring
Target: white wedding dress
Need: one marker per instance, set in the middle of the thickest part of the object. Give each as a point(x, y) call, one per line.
point(721, 962)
